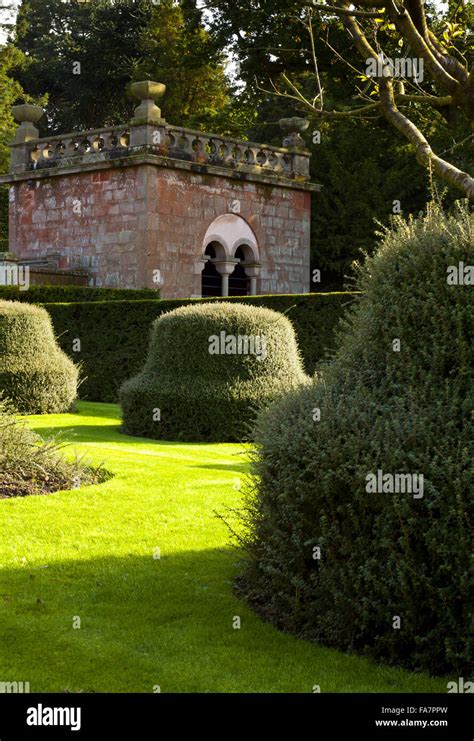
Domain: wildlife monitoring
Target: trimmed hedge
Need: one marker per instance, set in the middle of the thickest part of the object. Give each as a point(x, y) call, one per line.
point(35, 375)
point(115, 335)
point(206, 387)
point(3, 219)
point(326, 556)
point(54, 294)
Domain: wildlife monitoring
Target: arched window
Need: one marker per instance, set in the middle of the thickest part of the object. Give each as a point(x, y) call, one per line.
point(233, 263)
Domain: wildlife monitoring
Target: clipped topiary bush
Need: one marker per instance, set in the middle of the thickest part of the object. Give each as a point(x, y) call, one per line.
point(359, 525)
point(210, 367)
point(115, 335)
point(35, 374)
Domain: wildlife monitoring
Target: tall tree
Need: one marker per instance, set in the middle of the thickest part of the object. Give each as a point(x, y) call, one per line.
point(410, 59)
point(84, 54)
point(10, 92)
point(367, 171)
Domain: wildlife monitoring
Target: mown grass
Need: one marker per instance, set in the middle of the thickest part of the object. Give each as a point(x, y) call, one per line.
point(146, 565)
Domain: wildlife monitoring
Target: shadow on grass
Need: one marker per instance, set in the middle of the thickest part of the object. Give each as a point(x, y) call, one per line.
point(74, 429)
point(74, 432)
point(234, 467)
point(167, 621)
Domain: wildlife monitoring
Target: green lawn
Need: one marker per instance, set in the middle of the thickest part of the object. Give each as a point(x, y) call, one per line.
point(148, 621)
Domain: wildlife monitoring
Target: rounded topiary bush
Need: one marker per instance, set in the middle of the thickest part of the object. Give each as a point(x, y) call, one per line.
point(386, 569)
point(202, 380)
point(35, 374)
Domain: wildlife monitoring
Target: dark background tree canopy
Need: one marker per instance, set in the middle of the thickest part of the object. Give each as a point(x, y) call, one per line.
point(363, 165)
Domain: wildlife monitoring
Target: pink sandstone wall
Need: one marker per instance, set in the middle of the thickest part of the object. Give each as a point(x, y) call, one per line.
point(121, 224)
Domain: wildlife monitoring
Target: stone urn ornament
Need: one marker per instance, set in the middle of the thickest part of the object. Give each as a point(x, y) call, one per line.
point(27, 115)
point(293, 128)
point(148, 92)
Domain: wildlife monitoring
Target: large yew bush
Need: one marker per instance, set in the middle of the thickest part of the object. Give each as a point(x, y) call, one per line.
point(35, 374)
point(388, 574)
point(185, 392)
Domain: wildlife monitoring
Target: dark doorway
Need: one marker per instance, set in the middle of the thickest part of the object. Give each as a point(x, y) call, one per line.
point(211, 279)
point(238, 281)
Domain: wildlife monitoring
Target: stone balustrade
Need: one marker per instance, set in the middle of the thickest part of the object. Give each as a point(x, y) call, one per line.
point(150, 134)
point(55, 149)
point(226, 152)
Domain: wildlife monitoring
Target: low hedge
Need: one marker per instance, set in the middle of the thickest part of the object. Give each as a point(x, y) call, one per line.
point(206, 386)
point(53, 294)
point(3, 218)
point(115, 335)
point(35, 374)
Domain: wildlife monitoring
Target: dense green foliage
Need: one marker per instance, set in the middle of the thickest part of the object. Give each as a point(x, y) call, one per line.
point(204, 389)
point(28, 465)
point(10, 90)
point(56, 294)
point(134, 40)
point(115, 335)
point(410, 411)
point(35, 374)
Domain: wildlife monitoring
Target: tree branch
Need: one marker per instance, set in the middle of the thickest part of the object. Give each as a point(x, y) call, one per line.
point(452, 66)
point(406, 27)
point(434, 100)
point(360, 40)
point(316, 66)
point(336, 10)
point(424, 154)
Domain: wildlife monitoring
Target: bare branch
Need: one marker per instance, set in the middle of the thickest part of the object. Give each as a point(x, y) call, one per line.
point(315, 62)
point(360, 40)
point(350, 113)
point(458, 144)
point(336, 10)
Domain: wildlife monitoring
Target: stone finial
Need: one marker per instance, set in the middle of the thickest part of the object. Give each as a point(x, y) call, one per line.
point(293, 128)
point(147, 92)
point(26, 115)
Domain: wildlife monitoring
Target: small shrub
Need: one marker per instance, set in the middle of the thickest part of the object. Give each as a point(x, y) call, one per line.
point(30, 466)
point(35, 374)
point(330, 560)
point(185, 392)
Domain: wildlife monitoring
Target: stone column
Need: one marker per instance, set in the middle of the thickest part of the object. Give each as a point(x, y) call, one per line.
point(225, 268)
point(26, 115)
point(147, 127)
point(253, 271)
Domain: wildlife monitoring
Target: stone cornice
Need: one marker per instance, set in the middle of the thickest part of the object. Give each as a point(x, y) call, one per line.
point(103, 161)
